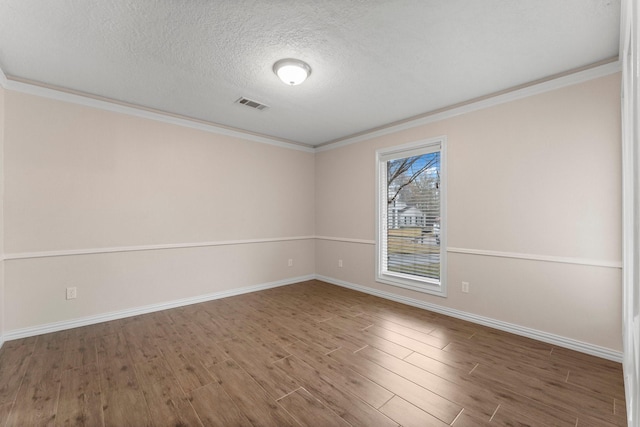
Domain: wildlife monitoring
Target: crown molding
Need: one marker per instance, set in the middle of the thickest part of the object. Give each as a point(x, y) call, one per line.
point(136, 111)
point(535, 88)
point(485, 102)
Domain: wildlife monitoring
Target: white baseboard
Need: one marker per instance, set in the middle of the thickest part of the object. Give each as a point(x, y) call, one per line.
point(547, 337)
point(90, 320)
point(560, 341)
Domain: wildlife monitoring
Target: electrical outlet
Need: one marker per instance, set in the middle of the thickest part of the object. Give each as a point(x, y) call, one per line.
point(465, 287)
point(290, 263)
point(340, 263)
point(72, 293)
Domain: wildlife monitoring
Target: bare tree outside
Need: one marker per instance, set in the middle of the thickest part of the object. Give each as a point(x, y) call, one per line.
point(402, 173)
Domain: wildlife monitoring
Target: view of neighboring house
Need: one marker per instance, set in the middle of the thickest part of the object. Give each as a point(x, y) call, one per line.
point(402, 215)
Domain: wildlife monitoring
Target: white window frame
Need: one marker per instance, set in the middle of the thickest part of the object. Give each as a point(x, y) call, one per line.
point(408, 281)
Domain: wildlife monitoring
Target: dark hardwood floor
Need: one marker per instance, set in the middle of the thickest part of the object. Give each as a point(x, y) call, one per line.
point(308, 354)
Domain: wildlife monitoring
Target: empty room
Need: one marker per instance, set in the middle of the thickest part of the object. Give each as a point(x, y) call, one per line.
point(302, 213)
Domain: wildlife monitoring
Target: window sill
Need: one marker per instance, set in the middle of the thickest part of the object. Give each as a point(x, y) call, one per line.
point(412, 284)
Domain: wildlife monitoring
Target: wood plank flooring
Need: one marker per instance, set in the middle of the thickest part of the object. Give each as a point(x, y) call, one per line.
point(309, 354)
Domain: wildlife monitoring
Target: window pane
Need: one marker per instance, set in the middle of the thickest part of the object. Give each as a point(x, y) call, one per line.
point(413, 215)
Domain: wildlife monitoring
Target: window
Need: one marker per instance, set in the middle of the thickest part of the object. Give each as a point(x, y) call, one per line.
point(411, 231)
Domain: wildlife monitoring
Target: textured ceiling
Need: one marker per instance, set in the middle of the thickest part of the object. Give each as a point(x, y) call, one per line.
point(374, 61)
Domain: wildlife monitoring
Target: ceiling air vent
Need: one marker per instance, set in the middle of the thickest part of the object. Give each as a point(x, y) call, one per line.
point(251, 103)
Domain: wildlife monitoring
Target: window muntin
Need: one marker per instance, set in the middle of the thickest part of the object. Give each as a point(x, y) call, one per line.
point(411, 251)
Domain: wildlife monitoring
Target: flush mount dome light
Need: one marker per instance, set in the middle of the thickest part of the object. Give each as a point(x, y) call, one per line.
point(292, 71)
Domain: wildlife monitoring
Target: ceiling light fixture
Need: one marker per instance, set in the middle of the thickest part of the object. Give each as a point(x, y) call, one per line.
point(292, 71)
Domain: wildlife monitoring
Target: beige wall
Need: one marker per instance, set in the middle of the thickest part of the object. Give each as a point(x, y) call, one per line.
point(79, 178)
point(538, 176)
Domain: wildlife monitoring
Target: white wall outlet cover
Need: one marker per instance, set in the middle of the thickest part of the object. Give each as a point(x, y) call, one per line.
point(72, 293)
point(465, 287)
